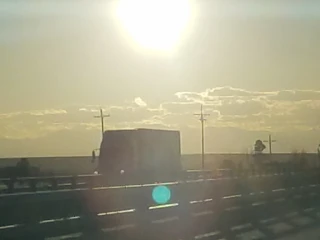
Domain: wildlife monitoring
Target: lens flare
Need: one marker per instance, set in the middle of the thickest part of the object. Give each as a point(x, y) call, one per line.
point(161, 194)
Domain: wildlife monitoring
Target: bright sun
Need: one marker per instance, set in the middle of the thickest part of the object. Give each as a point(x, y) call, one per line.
point(154, 24)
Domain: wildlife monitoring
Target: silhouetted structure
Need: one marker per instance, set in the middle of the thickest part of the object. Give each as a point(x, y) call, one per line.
point(23, 167)
point(102, 117)
point(259, 147)
point(270, 141)
point(202, 120)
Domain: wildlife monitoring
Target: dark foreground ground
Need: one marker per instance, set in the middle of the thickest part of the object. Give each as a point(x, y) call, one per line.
point(310, 234)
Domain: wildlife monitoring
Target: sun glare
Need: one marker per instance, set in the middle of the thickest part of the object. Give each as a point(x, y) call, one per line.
point(154, 24)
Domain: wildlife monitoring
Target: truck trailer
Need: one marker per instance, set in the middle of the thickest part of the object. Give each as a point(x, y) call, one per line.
point(141, 155)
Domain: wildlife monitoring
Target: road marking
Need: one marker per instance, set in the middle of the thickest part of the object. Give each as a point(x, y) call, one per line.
point(164, 206)
point(10, 226)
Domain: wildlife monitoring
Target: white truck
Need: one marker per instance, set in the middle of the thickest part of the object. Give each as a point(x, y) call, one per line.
point(144, 154)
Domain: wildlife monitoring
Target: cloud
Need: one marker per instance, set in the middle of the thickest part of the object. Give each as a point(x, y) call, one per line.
point(181, 107)
point(48, 112)
point(296, 95)
point(231, 109)
point(281, 110)
point(34, 112)
point(191, 96)
point(241, 107)
point(226, 92)
point(228, 107)
point(9, 115)
point(140, 102)
point(87, 109)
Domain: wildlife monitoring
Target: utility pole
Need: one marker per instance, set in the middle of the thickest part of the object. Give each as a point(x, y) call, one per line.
point(202, 120)
point(270, 141)
point(102, 116)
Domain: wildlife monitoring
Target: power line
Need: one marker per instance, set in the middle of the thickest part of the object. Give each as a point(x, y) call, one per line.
point(270, 141)
point(202, 120)
point(102, 116)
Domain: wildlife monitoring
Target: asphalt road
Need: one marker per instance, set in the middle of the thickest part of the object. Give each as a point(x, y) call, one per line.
point(310, 234)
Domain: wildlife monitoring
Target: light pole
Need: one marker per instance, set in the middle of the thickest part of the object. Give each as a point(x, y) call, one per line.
point(202, 120)
point(102, 116)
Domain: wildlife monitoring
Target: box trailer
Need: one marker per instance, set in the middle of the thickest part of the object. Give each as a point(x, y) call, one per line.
point(144, 153)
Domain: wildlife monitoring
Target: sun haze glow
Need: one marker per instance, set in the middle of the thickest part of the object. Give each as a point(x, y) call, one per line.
point(154, 24)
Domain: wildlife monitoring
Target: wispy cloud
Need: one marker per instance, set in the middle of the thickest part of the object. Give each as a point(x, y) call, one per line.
point(34, 113)
point(282, 110)
point(48, 112)
point(140, 102)
point(279, 111)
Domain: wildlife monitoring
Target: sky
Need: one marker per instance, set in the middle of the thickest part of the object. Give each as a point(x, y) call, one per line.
point(253, 64)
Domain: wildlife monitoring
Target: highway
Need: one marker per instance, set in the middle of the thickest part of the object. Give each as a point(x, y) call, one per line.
point(310, 234)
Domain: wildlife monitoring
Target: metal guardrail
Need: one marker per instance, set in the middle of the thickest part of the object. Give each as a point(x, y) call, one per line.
point(54, 183)
point(33, 184)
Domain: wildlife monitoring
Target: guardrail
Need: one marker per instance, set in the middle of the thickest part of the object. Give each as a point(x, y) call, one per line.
point(33, 184)
point(199, 209)
point(53, 183)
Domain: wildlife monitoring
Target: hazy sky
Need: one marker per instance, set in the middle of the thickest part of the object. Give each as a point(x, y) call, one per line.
point(256, 65)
